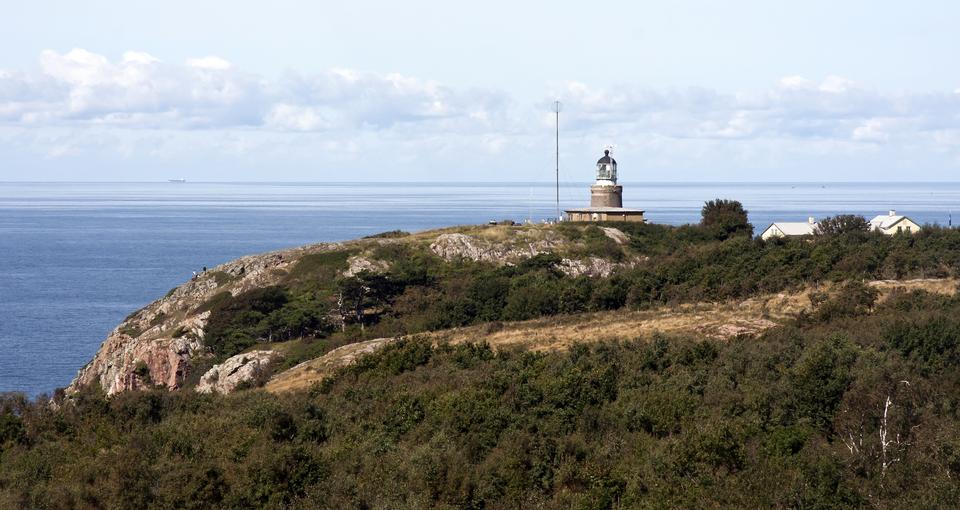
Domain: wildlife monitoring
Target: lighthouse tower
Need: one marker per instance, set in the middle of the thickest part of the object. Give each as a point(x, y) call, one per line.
point(606, 192)
point(606, 197)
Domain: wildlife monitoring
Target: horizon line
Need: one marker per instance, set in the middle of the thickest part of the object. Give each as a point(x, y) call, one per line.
point(454, 183)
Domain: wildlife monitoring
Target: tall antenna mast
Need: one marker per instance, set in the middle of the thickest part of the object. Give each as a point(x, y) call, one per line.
point(556, 111)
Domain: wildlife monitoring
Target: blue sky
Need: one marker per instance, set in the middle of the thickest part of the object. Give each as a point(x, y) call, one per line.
point(431, 90)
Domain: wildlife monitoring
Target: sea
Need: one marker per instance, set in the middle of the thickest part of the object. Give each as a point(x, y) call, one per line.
point(78, 257)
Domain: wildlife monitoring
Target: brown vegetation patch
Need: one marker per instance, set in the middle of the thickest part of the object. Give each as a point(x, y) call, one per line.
point(718, 321)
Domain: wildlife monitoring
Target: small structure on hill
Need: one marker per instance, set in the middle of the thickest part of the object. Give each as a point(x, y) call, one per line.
point(606, 197)
point(893, 223)
point(790, 229)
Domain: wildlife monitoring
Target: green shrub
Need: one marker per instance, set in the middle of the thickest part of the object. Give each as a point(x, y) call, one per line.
point(842, 224)
point(820, 378)
point(391, 234)
point(237, 322)
point(726, 218)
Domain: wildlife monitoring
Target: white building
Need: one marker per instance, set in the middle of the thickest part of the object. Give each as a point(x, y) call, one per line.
point(790, 228)
point(892, 223)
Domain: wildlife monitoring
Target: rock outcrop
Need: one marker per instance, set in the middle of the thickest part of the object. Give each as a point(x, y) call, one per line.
point(615, 234)
point(158, 344)
point(357, 264)
point(235, 371)
point(458, 246)
point(591, 266)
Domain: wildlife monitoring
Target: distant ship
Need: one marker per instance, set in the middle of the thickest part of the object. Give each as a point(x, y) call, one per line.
point(177, 180)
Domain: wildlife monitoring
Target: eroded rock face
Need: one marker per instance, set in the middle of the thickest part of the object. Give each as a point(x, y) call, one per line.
point(357, 264)
point(457, 246)
point(616, 234)
point(167, 362)
point(591, 266)
point(158, 344)
point(461, 246)
point(242, 368)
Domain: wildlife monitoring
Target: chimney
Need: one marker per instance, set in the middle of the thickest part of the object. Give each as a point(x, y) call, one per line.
point(892, 212)
point(811, 220)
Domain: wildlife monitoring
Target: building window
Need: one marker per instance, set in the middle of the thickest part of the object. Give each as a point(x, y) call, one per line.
point(908, 229)
point(899, 229)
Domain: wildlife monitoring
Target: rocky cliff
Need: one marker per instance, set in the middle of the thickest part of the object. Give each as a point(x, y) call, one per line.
point(161, 343)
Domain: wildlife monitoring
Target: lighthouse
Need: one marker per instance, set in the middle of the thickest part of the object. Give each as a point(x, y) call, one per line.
point(606, 197)
point(606, 192)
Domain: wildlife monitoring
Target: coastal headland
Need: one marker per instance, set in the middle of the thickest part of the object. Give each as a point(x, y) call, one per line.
point(595, 365)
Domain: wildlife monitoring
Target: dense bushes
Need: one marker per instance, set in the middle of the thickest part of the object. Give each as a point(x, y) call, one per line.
point(262, 314)
point(791, 419)
point(841, 224)
point(669, 265)
point(856, 404)
point(725, 218)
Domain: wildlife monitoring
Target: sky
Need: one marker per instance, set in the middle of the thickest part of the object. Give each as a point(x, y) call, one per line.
point(426, 90)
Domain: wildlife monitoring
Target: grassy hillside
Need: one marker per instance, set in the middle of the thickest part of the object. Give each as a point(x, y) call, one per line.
point(849, 402)
point(796, 418)
point(413, 290)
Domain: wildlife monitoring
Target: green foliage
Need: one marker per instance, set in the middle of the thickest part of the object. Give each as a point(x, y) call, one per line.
point(595, 243)
point(420, 292)
point(222, 277)
point(854, 299)
point(214, 301)
point(725, 218)
point(130, 330)
point(142, 371)
point(262, 314)
point(395, 359)
point(11, 428)
point(319, 268)
point(652, 423)
point(933, 343)
point(842, 224)
point(820, 378)
point(664, 422)
point(391, 234)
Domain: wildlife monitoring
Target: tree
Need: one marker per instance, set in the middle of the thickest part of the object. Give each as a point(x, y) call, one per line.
point(351, 300)
point(841, 224)
point(355, 294)
point(726, 217)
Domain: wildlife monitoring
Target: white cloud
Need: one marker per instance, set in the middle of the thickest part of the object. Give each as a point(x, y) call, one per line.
point(95, 105)
point(795, 108)
point(213, 63)
point(836, 84)
point(295, 118)
point(140, 90)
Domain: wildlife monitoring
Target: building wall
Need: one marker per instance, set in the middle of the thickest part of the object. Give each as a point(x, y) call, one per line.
point(903, 224)
point(634, 217)
point(771, 231)
point(606, 196)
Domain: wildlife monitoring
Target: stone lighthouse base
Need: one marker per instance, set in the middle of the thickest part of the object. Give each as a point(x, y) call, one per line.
point(602, 195)
point(605, 214)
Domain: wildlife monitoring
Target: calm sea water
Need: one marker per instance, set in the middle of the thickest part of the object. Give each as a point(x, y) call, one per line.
point(76, 258)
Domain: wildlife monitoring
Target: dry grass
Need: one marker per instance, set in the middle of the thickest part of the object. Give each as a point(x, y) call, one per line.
point(946, 286)
point(706, 320)
point(309, 372)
